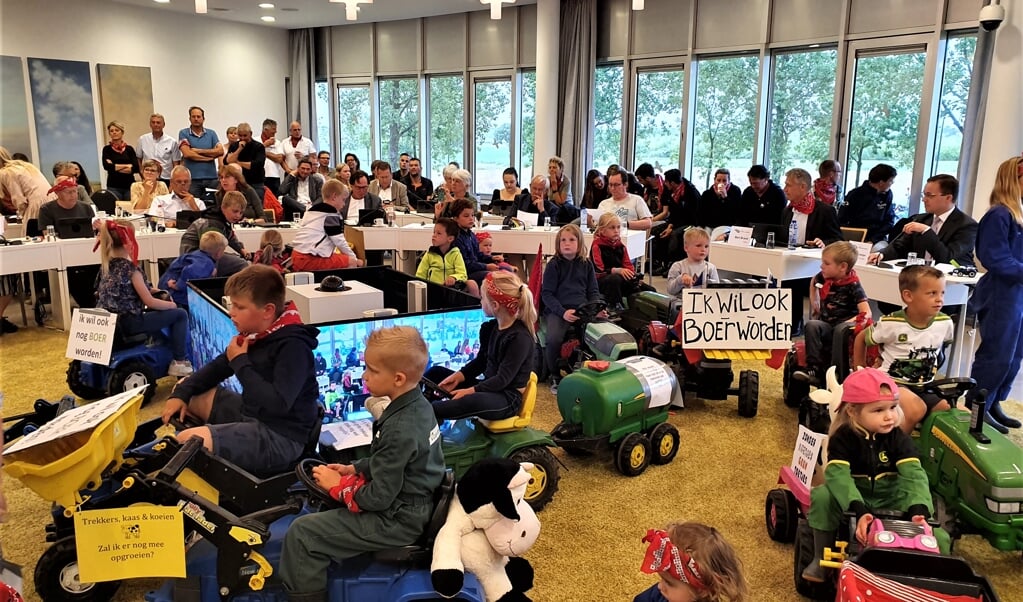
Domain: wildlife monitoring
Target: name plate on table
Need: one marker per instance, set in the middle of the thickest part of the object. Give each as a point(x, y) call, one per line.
point(731, 318)
point(862, 251)
point(91, 336)
point(740, 236)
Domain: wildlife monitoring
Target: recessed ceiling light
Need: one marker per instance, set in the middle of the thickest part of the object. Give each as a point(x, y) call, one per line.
point(162, 1)
point(289, 10)
point(266, 5)
point(267, 18)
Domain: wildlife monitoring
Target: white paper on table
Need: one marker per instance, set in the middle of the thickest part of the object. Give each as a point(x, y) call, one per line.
point(593, 216)
point(654, 377)
point(75, 420)
point(527, 218)
point(348, 434)
point(740, 236)
point(862, 251)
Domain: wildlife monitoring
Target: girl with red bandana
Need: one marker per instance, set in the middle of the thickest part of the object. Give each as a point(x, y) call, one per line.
point(694, 563)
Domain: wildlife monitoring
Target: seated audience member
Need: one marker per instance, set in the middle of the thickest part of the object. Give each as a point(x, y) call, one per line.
point(942, 233)
point(836, 297)
point(719, 204)
point(827, 189)
point(67, 168)
point(143, 193)
point(300, 191)
point(919, 330)
point(681, 209)
point(458, 189)
point(403, 170)
point(502, 198)
point(272, 251)
point(220, 219)
point(442, 263)
point(486, 241)
point(320, 241)
point(267, 427)
point(232, 179)
point(762, 202)
point(596, 189)
point(655, 193)
point(476, 263)
point(82, 177)
point(559, 186)
point(535, 200)
point(179, 198)
point(250, 157)
point(323, 165)
point(418, 187)
point(201, 263)
point(81, 279)
point(630, 209)
point(616, 276)
point(870, 204)
point(389, 190)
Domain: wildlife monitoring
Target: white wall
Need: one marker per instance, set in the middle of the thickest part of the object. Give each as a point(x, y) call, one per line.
point(234, 71)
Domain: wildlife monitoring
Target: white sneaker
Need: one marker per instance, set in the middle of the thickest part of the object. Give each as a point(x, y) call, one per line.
point(180, 368)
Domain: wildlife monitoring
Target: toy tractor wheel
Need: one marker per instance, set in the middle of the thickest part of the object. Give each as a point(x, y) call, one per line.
point(792, 390)
point(664, 440)
point(781, 513)
point(75, 384)
point(749, 393)
point(543, 482)
point(56, 577)
point(130, 375)
point(633, 455)
point(802, 556)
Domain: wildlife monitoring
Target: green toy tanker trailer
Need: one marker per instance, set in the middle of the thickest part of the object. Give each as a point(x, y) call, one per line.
point(622, 406)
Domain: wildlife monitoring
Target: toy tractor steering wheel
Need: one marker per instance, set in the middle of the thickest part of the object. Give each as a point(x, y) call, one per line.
point(432, 390)
point(588, 311)
point(950, 389)
point(304, 472)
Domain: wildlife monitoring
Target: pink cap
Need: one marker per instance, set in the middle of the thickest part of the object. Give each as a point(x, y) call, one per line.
point(864, 386)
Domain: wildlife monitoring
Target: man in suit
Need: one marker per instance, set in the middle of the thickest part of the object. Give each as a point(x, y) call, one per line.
point(943, 233)
point(300, 191)
point(387, 188)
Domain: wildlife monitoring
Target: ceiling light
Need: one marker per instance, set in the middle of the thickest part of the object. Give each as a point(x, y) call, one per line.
point(200, 7)
point(267, 18)
point(637, 4)
point(266, 5)
point(495, 7)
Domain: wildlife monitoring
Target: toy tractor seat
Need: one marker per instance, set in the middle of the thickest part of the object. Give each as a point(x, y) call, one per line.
point(421, 552)
point(524, 417)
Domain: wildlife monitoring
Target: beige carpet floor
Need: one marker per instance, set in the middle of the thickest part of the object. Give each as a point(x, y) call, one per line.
point(590, 547)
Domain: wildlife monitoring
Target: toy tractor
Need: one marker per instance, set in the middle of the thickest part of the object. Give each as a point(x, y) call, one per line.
point(590, 338)
point(622, 406)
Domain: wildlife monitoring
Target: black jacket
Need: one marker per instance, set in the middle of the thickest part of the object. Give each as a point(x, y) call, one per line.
point(761, 209)
point(524, 202)
point(955, 240)
point(715, 211)
point(822, 223)
point(686, 212)
point(865, 207)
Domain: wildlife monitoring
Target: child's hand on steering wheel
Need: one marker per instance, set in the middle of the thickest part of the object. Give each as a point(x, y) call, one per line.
point(861, 528)
point(326, 477)
point(172, 407)
point(569, 316)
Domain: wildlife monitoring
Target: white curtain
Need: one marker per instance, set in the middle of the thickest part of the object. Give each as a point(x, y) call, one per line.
point(300, 101)
point(576, 66)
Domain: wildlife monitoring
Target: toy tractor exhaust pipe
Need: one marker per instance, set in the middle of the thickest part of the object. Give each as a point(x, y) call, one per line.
point(975, 404)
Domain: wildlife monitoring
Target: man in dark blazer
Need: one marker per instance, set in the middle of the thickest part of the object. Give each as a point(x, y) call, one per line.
point(301, 191)
point(360, 197)
point(943, 233)
point(821, 226)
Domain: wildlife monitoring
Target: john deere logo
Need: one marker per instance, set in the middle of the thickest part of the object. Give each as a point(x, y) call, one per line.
point(903, 338)
point(883, 457)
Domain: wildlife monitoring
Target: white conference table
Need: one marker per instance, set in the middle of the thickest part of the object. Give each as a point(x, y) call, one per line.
point(780, 262)
point(405, 219)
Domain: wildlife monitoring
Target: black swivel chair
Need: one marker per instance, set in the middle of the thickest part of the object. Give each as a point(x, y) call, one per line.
point(105, 201)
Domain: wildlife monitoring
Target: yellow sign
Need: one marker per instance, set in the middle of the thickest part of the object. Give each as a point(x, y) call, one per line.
point(124, 543)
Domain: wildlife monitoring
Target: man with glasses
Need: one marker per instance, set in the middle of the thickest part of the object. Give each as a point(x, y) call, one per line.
point(301, 190)
point(629, 208)
point(943, 233)
point(361, 197)
point(870, 204)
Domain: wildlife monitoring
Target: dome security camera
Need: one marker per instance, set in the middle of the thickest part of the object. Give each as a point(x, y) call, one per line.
point(991, 16)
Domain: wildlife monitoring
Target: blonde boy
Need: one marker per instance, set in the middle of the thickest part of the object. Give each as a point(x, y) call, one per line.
point(694, 270)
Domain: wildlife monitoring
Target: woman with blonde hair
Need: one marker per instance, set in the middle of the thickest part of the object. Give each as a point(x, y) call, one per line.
point(120, 162)
point(231, 179)
point(999, 293)
point(23, 190)
point(142, 193)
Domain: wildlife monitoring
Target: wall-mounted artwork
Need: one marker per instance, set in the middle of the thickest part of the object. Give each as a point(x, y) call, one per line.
point(14, 133)
point(64, 116)
point(126, 95)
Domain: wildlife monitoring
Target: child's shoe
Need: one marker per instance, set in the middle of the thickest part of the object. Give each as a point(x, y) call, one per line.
point(554, 385)
point(7, 326)
point(180, 368)
point(807, 375)
point(814, 571)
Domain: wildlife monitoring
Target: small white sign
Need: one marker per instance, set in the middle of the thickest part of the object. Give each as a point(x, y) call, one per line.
point(348, 434)
point(731, 318)
point(593, 216)
point(654, 375)
point(75, 420)
point(91, 336)
point(862, 251)
point(527, 218)
point(740, 236)
point(804, 456)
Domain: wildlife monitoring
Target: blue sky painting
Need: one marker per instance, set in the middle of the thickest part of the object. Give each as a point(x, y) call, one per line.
point(64, 115)
point(14, 134)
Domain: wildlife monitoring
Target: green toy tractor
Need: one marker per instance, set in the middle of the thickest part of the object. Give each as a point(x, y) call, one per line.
point(590, 338)
point(622, 406)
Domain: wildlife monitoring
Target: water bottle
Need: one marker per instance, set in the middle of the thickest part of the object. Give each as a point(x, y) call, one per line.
point(793, 234)
point(583, 221)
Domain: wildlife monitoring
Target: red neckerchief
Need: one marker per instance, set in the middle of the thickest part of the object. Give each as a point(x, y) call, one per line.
point(826, 287)
point(289, 317)
point(825, 190)
point(125, 234)
point(678, 194)
point(660, 185)
point(805, 206)
point(118, 147)
point(663, 555)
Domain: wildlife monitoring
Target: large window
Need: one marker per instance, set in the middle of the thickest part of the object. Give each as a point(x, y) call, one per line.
point(323, 117)
point(886, 100)
point(607, 116)
point(447, 119)
point(658, 134)
point(492, 133)
point(724, 133)
point(801, 110)
point(955, 88)
point(527, 117)
point(399, 118)
point(353, 116)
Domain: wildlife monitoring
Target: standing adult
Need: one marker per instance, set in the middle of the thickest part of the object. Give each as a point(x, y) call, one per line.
point(120, 162)
point(273, 167)
point(870, 204)
point(23, 189)
point(250, 155)
point(159, 147)
point(297, 147)
point(999, 294)
point(827, 189)
point(200, 149)
point(762, 202)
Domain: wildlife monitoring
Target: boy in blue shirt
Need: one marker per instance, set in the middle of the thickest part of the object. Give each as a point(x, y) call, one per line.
point(201, 263)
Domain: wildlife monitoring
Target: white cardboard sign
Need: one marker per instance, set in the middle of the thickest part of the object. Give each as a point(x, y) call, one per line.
point(654, 376)
point(736, 318)
point(740, 236)
point(91, 336)
point(862, 251)
point(75, 420)
point(804, 456)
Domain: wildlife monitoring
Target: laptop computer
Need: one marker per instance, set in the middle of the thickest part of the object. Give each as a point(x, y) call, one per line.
point(781, 234)
point(499, 207)
point(184, 219)
point(74, 227)
point(366, 216)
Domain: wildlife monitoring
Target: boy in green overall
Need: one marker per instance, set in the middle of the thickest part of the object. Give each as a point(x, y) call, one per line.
point(389, 495)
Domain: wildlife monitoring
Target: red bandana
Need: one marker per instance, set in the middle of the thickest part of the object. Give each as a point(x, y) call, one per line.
point(825, 190)
point(500, 297)
point(125, 235)
point(118, 146)
point(290, 316)
point(826, 287)
point(662, 555)
point(804, 206)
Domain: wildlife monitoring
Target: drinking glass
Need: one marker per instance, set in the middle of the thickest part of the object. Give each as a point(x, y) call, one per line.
point(770, 240)
point(296, 218)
